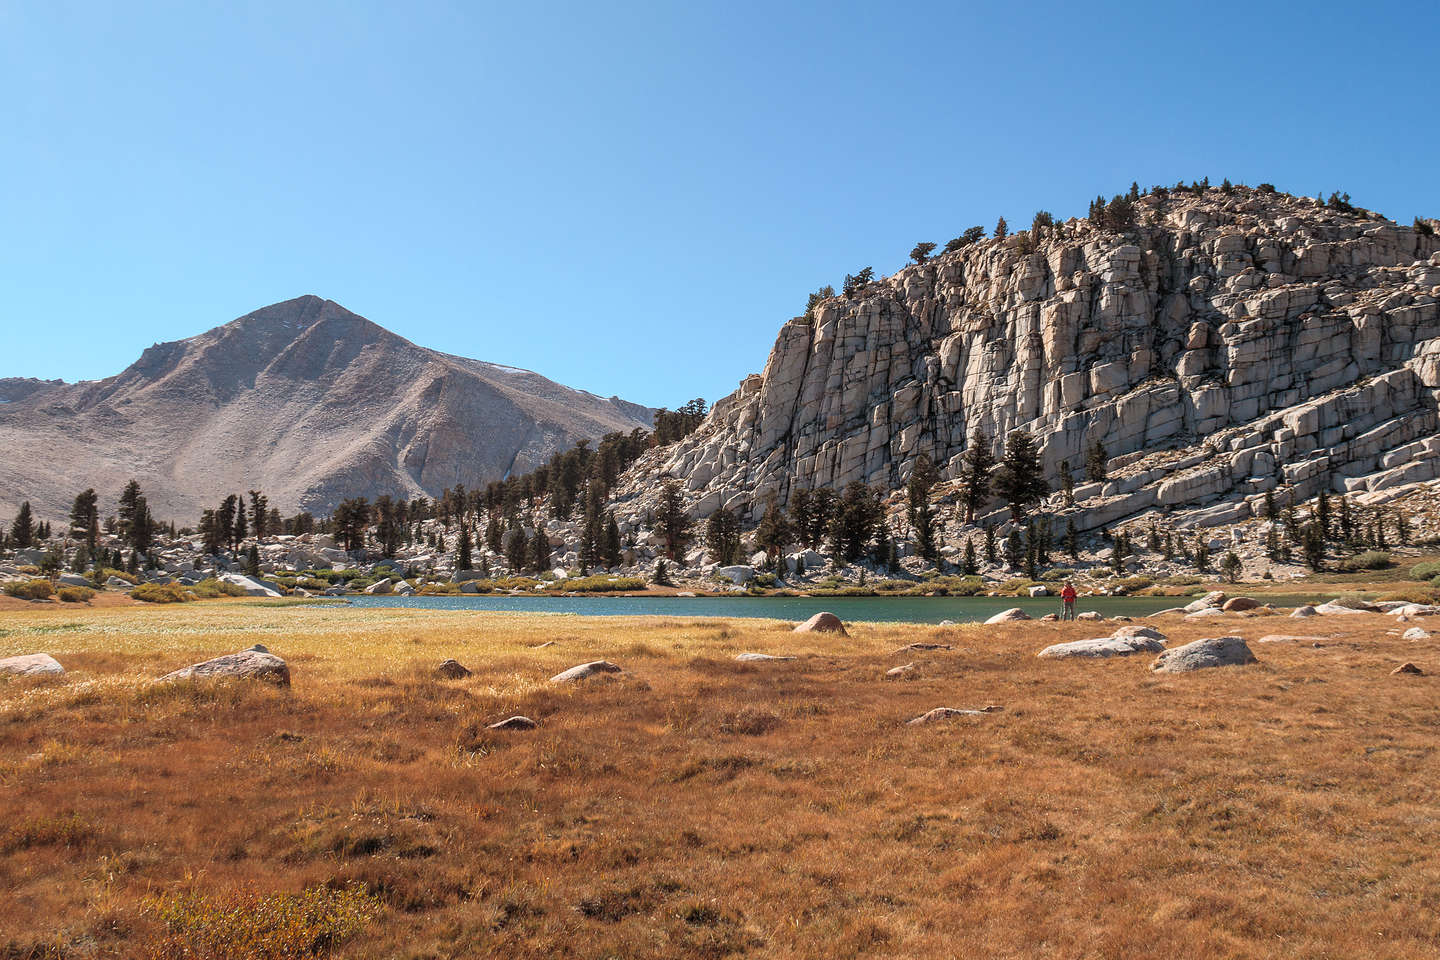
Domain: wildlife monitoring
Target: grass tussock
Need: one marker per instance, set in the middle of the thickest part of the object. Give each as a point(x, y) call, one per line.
point(162, 593)
point(698, 807)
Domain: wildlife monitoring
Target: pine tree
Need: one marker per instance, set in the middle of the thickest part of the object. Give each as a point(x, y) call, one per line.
point(921, 515)
point(773, 533)
point(1072, 539)
point(991, 554)
point(671, 521)
point(662, 575)
point(517, 550)
point(1313, 543)
point(225, 520)
point(1230, 566)
point(1002, 229)
point(1014, 547)
point(494, 534)
point(1067, 483)
point(463, 560)
point(1202, 552)
point(1097, 463)
point(1032, 553)
point(125, 514)
point(1322, 513)
point(612, 554)
point(210, 532)
point(1402, 528)
point(969, 566)
point(260, 515)
point(22, 530)
point(1347, 521)
point(540, 550)
point(252, 561)
point(1152, 540)
point(85, 518)
point(242, 527)
point(976, 474)
point(854, 522)
point(1271, 513)
point(722, 536)
point(1020, 479)
point(1272, 545)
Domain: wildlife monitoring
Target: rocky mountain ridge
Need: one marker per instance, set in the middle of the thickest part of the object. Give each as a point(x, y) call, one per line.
point(1231, 343)
point(302, 399)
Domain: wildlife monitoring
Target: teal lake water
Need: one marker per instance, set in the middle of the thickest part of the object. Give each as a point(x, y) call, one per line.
point(862, 609)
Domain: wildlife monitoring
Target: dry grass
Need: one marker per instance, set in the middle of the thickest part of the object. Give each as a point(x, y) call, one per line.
point(699, 807)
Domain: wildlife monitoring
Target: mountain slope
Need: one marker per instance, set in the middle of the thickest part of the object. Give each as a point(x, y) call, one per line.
point(1228, 344)
point(302, 399)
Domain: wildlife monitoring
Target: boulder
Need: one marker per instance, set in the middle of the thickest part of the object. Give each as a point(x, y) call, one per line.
point(822, 623)
point(1211, 652)
point(943, 713)
point(1050, 618)
point(1089, 615)
point(1336, 609)
point(465, 576)
point(255, 663)
point(1137, 633)
point(381, 586)
point(902, 671)
point(758, 657)
point(1038, 591)
point(1301, 613)
point(251, 586)
point(1417, 610)
point(74, 580)
point(1415, 633)
point(921, 646)
point(1288, 638)
point(31, 665)
point(115, 583)
point(1205, 613)
point(1214, 598)
point(739, 573)
point(1101, 647)
point(1408, 668)
point(452, 670)
point(946, 623)
point(585, 670)
point(514, 723)
point(1236, 604)
point(1169, 611)
point(1013, 615)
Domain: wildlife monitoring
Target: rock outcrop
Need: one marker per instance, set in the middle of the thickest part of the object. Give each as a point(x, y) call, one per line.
point(256, 663)
point(31, 665)
point(1233, 343)
point(1203, 654)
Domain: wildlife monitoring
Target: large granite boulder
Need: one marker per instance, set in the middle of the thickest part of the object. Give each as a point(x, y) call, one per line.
point(251, 586)
point(31, 665)
point(1101, 647)
point(822, 623)
point(584, 671)
point(256, 663)
point(1013, 615)
point(1203, 654)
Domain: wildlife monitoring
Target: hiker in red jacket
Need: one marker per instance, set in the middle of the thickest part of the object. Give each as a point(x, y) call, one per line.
point(1068, 597)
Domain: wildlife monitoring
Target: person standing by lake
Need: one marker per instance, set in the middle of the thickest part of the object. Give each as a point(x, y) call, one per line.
point(1067, 597)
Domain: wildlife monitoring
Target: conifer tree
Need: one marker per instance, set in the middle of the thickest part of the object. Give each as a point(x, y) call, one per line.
point(1097, 462)
point(922, 516)
point(85, 518)
point(671, 521)
point(991, 554)
point(22, 530)
point(540, 549)
point(1202, 552)
point(722, 536)
point(612, 554)
point(1014, 547)
point(773, 533)
point(976, 474)
point(1019, 478)
point(1072, 539)
point(969, 566)
point(517, 550)
point(463, 560)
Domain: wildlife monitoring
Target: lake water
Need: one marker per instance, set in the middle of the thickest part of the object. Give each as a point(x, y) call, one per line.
point(865, 609)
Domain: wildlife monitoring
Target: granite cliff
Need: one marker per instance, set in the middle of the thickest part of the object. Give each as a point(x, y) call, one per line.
point(1229, 343)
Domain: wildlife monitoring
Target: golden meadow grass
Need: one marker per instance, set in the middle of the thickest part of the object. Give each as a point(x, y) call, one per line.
point(699, 807)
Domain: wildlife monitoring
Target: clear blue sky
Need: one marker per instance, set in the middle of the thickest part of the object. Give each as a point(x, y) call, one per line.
point(631, 198)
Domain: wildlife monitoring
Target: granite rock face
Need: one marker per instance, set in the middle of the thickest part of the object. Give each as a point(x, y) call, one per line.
point(1229, 345)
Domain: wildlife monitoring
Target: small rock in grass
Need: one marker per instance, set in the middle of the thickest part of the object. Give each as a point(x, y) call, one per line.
point(822, 623)
point(946, 623)
point(1089, 615)
point(902, 671)
point(1013, 615)
point(452, 670)
point(942, 713)
point(31, 665)
point(542, 646)
point(1169, 611)
point(1236, 604)
point(1135, 633)
point(758, 657)
point(1288, 638)
point(515, 723)
point(1332, 609)
point(1408, 669)
point(583, 670)
point(1301, 613)
point(1415, 633)
point(920, 646)
point(1211, 652)
point(1050, 618)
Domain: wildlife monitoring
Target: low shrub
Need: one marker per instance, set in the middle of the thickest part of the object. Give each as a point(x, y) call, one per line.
point(765, 579)
point(600, 584)
point(76, 594)
point(100, 575)
point(1425, 595)
point(1355, 601)
point(1058, 573)
point(253, 926)
point(1369, 560)
point(162, 593)
point(1182, 580)
point(1017, 585)
point(893, 586)
point(29, 589)
point(1428, 570)
point(1132, 585)
point(210, 588)
point(438, 589)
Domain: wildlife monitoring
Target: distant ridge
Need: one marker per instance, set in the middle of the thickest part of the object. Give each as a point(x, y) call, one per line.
point(303, 399)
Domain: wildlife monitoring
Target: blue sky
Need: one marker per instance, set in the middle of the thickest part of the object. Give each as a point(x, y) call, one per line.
point(631, 198)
